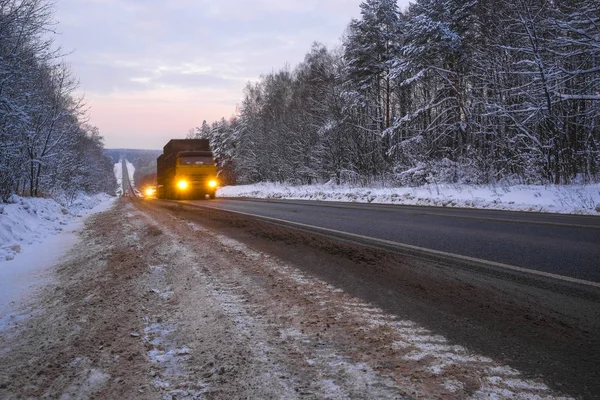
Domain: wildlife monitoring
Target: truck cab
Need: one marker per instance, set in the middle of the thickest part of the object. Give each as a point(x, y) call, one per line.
point(195, 175)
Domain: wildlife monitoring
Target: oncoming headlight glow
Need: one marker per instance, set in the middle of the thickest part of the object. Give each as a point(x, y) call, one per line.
point(182, 185)
point(212, 183)
point(149, 192)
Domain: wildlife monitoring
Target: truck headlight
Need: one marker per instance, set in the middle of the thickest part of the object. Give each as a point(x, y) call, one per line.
point(183, 184)
point(149, 192)
point(212, 183)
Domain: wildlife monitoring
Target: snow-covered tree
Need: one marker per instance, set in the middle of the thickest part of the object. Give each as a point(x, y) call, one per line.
point(370, 49)
point(41, 123)
point(449, 90)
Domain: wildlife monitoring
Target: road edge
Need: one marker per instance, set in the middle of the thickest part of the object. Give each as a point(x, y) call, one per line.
point(572, 286)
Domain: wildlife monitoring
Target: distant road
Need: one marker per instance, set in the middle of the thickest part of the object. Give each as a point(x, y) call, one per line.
point(567, 245)
point(127, 186)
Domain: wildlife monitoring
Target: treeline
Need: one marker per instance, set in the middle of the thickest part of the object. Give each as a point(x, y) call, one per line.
point(472, 91)
point(46, 148)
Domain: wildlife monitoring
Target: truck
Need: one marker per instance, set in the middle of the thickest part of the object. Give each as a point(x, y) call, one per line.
point(186, 170)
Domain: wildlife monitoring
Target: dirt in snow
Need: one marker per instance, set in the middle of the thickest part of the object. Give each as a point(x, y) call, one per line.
point(153, 305)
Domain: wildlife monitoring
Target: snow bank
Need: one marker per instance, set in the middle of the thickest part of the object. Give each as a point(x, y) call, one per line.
point(26, 221)
point(130, 171)
point(118, 170)
point(573, 199)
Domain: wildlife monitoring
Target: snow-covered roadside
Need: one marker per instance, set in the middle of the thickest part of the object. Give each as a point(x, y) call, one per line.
point(130, 171)
point(27, 222)
point(118, 170)
point(572, 199)
point(34, 234)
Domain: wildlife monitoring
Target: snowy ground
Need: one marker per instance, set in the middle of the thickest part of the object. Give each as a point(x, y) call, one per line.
point(130, 171)
point(573, 199)
point(118, 170)
point(34, 234)
point(25, 222)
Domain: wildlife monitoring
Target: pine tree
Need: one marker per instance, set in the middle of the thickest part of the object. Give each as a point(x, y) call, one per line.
point(370, 49)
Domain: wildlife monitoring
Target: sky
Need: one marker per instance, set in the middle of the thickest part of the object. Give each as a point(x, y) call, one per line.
point(151, 70)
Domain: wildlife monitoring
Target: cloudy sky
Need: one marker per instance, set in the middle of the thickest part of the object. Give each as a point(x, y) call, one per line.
point(151, 70)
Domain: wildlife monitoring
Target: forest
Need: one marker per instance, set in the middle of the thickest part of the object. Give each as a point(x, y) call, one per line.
point(466, 91)
point(47, 148)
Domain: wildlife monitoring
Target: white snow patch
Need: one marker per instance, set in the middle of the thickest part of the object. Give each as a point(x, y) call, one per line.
point(290, 333)
point(130, 171)
point(502, 370)
point(429, 338)
point(329, 387)
point(118, 170)
point(193, 226)
point(160, 352)
point(183, 351)
point(157, 268)
point(97, 378)
point(453, 385)
point(92, 380)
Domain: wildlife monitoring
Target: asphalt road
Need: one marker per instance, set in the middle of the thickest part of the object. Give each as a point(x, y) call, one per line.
point(567, 245)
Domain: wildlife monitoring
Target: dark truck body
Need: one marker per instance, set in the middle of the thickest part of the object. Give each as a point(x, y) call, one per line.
point(186, 170)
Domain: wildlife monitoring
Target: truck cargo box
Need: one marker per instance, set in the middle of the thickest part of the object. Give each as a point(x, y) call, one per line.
point(176, 145)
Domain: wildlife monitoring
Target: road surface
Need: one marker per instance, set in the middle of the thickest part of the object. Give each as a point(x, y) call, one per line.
point(566, 245)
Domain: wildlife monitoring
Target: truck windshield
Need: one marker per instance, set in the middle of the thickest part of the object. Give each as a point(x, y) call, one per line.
point(195, 160)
